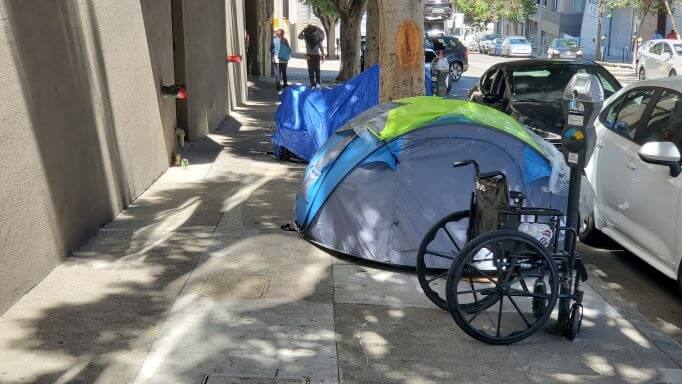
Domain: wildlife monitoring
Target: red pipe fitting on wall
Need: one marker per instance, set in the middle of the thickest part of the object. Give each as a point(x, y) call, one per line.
point(234, 58)
point(175, 91)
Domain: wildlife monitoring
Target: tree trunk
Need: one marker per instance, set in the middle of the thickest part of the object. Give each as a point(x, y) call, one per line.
point(401, 49)
point(329, 24)
point(647, 7)
point(372, 34)
point(351, 16)
point(600, 16)
point(672, 18)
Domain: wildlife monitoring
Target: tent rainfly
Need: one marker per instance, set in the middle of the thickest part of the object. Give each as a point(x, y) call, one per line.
point(379, 182)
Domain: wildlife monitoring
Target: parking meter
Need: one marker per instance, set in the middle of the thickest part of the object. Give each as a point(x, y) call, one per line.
point(582, 101)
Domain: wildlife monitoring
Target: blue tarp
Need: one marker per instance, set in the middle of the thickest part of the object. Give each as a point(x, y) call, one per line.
point(307, 117)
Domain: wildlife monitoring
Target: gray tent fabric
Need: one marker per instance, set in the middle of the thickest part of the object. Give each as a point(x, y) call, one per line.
point(381, 213)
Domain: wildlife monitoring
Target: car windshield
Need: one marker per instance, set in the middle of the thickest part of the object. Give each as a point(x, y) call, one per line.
point(566, 44)
point(678, 48)
point(548, 83)
point(518, 41)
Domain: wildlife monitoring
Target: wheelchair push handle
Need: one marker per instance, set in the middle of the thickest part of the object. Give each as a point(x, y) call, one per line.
point(463, 163)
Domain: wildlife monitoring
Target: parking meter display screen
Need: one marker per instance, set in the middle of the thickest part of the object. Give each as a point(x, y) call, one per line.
point(581, 85)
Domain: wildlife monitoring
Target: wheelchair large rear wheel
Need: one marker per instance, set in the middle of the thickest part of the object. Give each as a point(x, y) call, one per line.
point(488, 284)
point(438, 249)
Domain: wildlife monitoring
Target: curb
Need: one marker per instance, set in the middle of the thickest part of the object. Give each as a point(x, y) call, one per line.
point(617, 65)
point(665, 343)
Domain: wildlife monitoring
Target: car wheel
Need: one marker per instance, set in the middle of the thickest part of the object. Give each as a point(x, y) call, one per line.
point(642, 75)
point(455, 71)
point(587, 233)
point(672, 73)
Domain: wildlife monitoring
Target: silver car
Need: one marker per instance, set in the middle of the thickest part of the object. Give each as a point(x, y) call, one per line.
point(516, 46)
point(662, 58)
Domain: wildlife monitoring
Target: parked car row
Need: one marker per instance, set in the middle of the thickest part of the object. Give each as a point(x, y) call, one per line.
point(511, 46)
point(636, 166)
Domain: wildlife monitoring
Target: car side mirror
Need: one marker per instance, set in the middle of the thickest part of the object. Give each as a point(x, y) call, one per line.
point(666, 56)
point(662, 153)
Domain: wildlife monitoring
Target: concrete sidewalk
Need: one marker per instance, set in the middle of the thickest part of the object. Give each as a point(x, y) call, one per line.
point(196, 283)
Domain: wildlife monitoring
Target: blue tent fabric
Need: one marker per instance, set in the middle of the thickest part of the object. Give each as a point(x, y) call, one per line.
point(307, 117)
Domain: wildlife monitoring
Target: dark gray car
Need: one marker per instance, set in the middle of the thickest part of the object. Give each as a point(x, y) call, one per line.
point(564, 49)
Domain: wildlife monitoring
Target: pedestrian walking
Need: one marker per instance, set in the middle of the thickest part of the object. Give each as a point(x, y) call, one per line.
point(672, 35)
point(313, 37)
point(441, 67)
point(281, 52)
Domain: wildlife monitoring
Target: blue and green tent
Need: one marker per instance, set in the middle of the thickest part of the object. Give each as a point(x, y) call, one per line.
point(378, 183)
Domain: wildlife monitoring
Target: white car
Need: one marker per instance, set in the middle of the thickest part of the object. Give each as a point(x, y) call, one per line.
point(643, 48)
point(635, 172)
point(661, 58)
point(516, 46)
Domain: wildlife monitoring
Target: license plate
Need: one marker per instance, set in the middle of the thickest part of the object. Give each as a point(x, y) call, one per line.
point(567, 55)
point(438, 10)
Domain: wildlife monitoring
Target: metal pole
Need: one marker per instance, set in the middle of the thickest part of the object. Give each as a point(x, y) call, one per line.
point(539, 30)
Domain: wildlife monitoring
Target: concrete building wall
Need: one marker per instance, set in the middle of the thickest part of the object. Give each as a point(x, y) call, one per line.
point(236, 72)
point(205, 49)
point(83, 129)
point(157, 17)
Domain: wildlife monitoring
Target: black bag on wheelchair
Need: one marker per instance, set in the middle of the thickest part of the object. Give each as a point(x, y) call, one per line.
point(491, 197)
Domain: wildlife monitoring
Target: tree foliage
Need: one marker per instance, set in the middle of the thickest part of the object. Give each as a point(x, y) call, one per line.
point(482, 11)
point(322, 7)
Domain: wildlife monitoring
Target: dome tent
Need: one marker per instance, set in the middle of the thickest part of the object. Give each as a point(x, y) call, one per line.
point(381, 181)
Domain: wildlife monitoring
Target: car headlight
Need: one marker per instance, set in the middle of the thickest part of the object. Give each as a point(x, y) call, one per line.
point(579, 52)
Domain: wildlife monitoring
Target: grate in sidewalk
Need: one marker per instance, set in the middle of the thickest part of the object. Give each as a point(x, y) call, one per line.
point(229, 286)
point(215, 379)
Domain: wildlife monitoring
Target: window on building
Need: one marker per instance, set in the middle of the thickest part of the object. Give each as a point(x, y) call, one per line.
point(304, 12)
point(555, 5)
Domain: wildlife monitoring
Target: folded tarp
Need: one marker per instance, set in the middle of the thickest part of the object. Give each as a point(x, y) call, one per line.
point(307, 117)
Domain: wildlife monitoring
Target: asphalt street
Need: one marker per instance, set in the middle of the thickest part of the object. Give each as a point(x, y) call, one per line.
point(652, 293)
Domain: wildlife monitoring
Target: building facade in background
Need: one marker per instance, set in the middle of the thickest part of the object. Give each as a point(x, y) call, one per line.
point(85, 127)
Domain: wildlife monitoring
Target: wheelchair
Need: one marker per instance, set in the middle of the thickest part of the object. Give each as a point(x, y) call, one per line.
point(498, 267)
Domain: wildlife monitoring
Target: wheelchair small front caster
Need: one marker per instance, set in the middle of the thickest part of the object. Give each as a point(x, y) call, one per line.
point(574, 321)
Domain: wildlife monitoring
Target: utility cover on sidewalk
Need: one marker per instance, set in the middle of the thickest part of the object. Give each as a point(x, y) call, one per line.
point(227, 286)
point(213, 379)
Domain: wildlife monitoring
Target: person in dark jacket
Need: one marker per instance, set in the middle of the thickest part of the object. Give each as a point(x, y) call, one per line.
point(314, 53)
point(281, 52)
